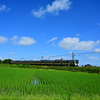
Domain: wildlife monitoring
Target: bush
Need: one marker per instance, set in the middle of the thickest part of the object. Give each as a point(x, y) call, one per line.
point(92, 69)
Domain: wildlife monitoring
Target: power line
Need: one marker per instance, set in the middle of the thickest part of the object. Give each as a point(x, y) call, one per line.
point(87, 53)
point(41, 57)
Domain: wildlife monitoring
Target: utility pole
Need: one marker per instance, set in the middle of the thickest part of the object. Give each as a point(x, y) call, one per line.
point(41, 57)
point(22, 58)
point(73, 55)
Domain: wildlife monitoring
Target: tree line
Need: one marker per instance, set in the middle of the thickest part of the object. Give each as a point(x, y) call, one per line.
point(5, 61)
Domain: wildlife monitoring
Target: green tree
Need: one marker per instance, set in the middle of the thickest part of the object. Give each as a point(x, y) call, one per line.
point(0, 61)
point(7, 61)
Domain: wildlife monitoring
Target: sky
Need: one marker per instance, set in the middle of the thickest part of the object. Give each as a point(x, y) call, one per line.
point(50, 29)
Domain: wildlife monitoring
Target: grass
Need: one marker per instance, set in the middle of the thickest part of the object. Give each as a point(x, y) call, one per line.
point(18, 84)
point(50, 97)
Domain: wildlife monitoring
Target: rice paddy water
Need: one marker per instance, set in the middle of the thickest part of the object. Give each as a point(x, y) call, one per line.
point(36, 81)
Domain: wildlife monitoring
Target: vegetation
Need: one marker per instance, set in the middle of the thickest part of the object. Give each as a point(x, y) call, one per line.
point(6, 61)
point(38, 84)
point(92, 69)
point(89, 69)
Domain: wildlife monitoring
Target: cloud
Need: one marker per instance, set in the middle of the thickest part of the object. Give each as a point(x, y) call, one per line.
point(58, 5)
point(1, 58)
point(51, 40)
point(46, 51)
point(97, 50)
point(4, 8)
point(94, 58)
point(53, 44)
point(11, 53)
point(76, 44)
point(54, 8)
point(25, 41)
point(38, 13)
point(77, 34)
point(14, 39)
point(3, 39)
point(98, 42)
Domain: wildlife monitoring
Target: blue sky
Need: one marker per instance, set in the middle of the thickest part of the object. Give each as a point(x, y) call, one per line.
point(50, 28)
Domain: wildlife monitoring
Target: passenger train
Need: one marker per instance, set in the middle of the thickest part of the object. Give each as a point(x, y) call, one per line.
point(49, 62)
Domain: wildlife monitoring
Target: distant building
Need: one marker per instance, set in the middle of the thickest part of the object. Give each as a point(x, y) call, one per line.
point(88, 65)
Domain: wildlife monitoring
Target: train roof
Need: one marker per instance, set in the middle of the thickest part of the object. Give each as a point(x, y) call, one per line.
point(46, 60)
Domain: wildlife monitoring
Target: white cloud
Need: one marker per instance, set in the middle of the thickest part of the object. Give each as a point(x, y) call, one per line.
point(98, 42)
point(52, 39)
point(46, 56)
point(11, 53)
point(1, 58)
point(3, 39)
point(14, 39)
point(58, 5)
point(93, 58)
point(53, 44)
point(25, 41)
point(77, 34)
point(39, 13)
point(76, 44)
point(97, 50)
point(4, 8)
point(46, 51)
point(54, 8)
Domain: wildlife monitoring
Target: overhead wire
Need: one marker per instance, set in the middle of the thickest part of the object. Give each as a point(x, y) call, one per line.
point(55, 55)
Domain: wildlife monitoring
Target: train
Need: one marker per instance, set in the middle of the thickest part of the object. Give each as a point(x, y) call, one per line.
point(49, 62)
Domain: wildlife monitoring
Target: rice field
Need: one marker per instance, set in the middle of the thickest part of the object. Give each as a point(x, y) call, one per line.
point(39, 84)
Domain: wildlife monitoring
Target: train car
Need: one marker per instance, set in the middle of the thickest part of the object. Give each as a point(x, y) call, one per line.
point(49, 62)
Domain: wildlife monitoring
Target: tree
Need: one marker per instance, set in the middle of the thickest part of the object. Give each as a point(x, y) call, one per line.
point(7, 61)
point(0, 61)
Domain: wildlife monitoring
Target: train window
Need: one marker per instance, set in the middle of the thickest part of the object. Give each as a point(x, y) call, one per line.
point(71, 62)
point(64, 61)
point(57, 62)
point(76, 61)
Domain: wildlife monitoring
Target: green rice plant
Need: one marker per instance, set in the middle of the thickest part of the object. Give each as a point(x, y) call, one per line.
point(19, 82)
